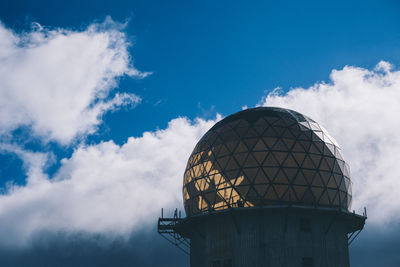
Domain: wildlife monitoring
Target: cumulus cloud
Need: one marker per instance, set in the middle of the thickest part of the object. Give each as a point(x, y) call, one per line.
point(58, 82)
point(360, 108)
point(103, 188)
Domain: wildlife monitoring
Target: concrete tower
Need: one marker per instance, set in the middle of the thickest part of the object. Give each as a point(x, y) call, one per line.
point(266, 187)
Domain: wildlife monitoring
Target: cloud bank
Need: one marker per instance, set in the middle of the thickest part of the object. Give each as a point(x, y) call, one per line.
point(58, 82)
point(361, 109)
point(104, 188)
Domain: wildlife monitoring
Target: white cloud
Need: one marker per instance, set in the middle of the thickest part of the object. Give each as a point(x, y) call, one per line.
point(58, 81)
point(103, 188)
point(360, 109)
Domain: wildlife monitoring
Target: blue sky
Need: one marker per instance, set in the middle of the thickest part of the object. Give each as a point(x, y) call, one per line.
point(198, 52)
point(205, 58)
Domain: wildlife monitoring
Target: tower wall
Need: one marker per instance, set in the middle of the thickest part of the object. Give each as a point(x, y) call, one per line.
point(281, 237)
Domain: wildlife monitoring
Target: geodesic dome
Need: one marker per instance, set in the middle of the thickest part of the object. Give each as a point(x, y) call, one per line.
point(265, 156)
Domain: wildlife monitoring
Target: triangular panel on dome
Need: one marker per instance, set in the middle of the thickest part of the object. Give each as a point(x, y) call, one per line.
point(317, 191)
point(270, 142)
point(349, 199)
point(231, 145)
point(252, 194)
point(289, 195)
point(341, 165)
point(232, 164)
point(243, 189)
point(279, 130)
point(270, 132)
point(315, 158)
point(241, 131)
point(260, 146)
point(346, 170)
point(280, 146)
point(343, 198)
point(228, 176)
point(260, 156)
point(280, 178)
point(223, 162)
point(210, 197)
point(342, 185)
point(260, 178)
point(280, 123)
point(349, 189)
point(217, 179)
point(338, 179)
point(288, 142)
point(314, 126)
point(250, 142)
point(251, 133)
point(261, 188)
point(304, 136)
point(241, 148)
point(260, 122)
point(347, 183)
point(325, 177)
point(242, 123)
point(332, 182)
point(299, 157)
point(250, 162)
point(240, 179)
point(291, 173)
point(338, 153)
point(332, 194)
point(228, 135)
point(309, 175)
point(218, 141)
point(287, 134)
point(305, 124)
point(270, 172)
point(234, 123)
point(318, 136)
point(336, 200)
point(308, 163)
point(270, 161)
point(240, 158)
point(297, 147)
point(324, 199)
point(223, 151)
point(271, 120)
point(280, 156)
point(270, 194)
point(299, 190)
point(330, 149)
point(314, 149)
point(317, 181)
point(308, 197)
point(260, 129)
point(305, 144)
point(290, 161)
point(325, 166)
point(300, 179)
point(295, 131)
point(280, 189)
point(250, 173)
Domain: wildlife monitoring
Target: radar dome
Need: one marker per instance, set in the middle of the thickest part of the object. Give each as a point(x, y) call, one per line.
point(263, 157)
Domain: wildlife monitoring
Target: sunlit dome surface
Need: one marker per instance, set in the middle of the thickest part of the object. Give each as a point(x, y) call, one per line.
point(262, 157)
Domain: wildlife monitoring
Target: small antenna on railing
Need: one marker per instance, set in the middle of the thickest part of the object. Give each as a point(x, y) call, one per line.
point(162, 212)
